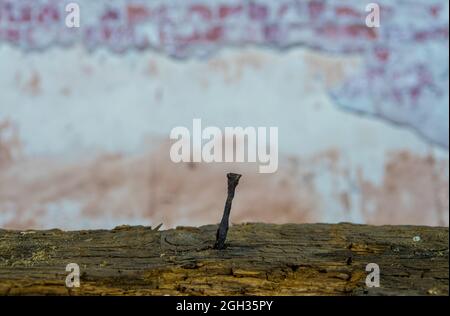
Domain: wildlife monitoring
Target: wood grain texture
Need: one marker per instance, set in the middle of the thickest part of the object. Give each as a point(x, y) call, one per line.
point(260, 259)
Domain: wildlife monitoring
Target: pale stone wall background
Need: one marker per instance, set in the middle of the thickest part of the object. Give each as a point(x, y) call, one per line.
point(85, 114)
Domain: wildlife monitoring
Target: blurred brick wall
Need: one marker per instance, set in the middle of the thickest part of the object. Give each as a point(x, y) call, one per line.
point(85, 112)
point(413, 33)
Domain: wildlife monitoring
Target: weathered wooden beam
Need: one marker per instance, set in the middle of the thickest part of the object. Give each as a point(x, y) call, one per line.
point(260, 259)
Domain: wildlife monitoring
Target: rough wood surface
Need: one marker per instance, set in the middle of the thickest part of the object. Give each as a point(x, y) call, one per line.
point(261, 259)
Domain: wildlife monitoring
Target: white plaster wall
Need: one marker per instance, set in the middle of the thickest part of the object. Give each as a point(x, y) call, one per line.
point(68, 107)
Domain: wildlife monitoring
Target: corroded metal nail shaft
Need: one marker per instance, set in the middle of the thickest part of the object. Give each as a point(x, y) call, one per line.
point(233, 180)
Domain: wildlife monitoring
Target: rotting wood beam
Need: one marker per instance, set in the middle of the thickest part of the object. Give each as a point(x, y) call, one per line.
point(260, 259)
